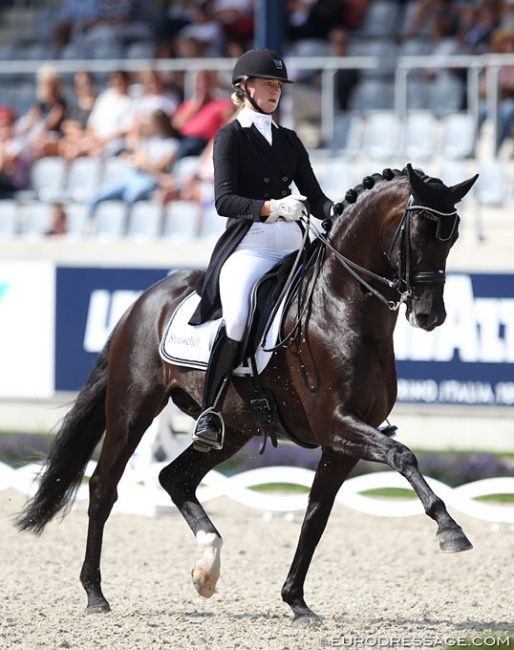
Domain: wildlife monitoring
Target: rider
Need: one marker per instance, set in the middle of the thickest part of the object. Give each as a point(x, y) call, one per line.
point(255, 163)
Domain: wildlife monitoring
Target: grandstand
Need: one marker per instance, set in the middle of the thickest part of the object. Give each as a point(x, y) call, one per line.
point(397, 113)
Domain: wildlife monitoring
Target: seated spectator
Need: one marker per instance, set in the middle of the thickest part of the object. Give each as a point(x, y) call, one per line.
point(205, 29)
point(478, 23)
point(111, 117)
point(502, 43)
point(41, 127)
point(15, 158)
point(198, 119)
point(76, 138)
point(145, 163)
point(151, 96)
point(75, 17)
point(123, 21)
point(236, 17)
point(58, 221)
point(305, 94)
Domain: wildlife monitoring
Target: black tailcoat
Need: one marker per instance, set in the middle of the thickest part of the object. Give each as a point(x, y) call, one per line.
point(247, 172)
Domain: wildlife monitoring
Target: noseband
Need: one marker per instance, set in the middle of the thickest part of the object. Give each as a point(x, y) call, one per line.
point(406, 280)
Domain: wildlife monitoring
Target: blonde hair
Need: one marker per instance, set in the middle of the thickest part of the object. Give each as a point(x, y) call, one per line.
point(237, 97)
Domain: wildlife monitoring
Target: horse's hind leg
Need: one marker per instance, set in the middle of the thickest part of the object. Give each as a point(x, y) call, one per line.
point(125, 428)
point(180, 479)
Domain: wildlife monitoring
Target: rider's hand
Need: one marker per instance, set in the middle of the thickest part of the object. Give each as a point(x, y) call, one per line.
point(289, 208)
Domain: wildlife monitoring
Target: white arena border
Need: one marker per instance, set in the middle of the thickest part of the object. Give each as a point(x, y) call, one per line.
point(140, 492)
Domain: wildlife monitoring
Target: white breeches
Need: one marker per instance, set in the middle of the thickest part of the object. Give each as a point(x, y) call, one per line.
point(262, 247)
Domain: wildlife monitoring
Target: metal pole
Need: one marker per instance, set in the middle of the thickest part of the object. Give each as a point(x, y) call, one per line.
point(270, 24)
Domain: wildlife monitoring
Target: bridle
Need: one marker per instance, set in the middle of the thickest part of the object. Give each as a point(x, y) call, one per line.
point(406, 280)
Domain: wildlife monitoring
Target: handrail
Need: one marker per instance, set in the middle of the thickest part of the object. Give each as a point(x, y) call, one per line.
point(328, 65)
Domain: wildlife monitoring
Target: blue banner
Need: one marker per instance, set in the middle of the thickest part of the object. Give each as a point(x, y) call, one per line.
point(89, 302)
point(468, 360)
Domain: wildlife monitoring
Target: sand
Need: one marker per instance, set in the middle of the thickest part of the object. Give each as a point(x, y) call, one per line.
point(375, 582)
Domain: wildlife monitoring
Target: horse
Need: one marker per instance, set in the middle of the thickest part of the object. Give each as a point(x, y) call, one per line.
point(334, 379)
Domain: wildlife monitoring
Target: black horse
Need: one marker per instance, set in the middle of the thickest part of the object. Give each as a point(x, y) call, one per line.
point(334, 383)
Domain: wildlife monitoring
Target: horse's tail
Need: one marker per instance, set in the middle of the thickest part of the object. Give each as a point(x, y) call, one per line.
point(74, 444)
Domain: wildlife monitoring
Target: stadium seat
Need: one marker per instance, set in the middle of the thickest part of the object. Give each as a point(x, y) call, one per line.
point(35, 219)
point(419, 136)
point(381, 139)
point(212, 224)
point(181, 220)
point(110, 219)
point(78, 218)
point(458, 136)
point(8, 217)
point(83, 178)
point(144, 220)
point(47, 177)
point(346, 135)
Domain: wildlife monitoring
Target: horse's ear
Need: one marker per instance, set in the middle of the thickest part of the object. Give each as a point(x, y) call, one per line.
point(417, 185)
point(459, 191)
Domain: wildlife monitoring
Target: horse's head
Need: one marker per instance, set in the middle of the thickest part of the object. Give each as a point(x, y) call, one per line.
point(427, 231)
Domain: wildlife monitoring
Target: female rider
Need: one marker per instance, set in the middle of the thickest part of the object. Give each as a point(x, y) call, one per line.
point(255, 163)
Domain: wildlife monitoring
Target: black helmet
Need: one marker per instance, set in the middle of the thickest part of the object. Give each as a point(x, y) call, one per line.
point(261, 63)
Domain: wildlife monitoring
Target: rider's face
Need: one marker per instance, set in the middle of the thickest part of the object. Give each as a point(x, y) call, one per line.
point(265, 92)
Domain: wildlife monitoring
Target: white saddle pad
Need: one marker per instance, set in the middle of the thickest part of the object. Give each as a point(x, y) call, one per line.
point(190, 345)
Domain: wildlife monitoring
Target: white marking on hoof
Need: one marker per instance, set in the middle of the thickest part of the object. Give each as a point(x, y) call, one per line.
point(207, 569)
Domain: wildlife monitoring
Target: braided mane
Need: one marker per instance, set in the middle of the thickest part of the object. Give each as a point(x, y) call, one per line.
point(367, 183)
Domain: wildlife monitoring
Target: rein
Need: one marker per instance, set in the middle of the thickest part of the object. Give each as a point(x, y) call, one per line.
point(403, 284)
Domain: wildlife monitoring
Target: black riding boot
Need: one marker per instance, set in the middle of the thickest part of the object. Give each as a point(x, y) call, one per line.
point(210, 428)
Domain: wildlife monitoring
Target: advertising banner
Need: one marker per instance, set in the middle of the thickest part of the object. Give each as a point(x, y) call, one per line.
point(90, 301)
point(27, 309)
point(469, 359)
point(466, 361)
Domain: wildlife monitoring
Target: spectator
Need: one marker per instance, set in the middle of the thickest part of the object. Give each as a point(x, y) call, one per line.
point(478, 24)
point(236, 17)
point(75, 17)
point(198, 119)
point(151, 96)
point(305, 95)
point(58, 221)
point(76, 139)
point(15, 159)
point(502, 43)
point(111, 117)
point(42, 125)
point(122, 21)
point(205, 29)
point(145, 163)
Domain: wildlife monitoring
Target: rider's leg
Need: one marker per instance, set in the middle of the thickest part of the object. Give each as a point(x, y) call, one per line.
point(208, 433)
point(260, 250)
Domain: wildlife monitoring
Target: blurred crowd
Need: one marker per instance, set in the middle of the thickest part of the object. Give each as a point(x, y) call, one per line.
point(152, 119)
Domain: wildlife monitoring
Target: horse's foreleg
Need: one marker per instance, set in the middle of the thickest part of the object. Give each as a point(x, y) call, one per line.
point(180, 479)
point(330, 475)
point(367, 443)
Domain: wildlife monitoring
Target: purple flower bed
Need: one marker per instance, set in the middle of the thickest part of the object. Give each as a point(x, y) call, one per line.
point(453, 468)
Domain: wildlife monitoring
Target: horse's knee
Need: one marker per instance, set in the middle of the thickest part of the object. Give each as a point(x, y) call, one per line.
point(402, 459)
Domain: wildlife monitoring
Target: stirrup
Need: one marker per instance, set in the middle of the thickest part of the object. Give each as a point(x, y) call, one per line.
point(207, 439)
point(388, 430)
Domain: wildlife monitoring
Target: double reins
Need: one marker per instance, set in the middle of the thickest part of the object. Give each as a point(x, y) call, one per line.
point(406, 279)
point(403, 284)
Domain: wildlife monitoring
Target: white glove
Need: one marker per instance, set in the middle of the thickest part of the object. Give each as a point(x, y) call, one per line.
point(289, 208)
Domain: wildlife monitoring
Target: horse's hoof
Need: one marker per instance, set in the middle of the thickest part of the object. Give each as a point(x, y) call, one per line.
point(453, 540)
point(204, 581)
point(98, 609)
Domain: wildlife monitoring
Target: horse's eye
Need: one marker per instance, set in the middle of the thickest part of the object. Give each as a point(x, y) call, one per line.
point(418, 239)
